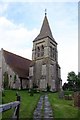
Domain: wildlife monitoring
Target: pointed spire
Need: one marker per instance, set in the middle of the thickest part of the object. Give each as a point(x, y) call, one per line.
point(45, 12)
point(45, 30)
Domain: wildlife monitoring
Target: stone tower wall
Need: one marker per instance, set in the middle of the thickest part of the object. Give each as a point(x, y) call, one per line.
point(51, 73)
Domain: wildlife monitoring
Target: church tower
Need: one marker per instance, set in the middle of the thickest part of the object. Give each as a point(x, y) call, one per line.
point(44, 70)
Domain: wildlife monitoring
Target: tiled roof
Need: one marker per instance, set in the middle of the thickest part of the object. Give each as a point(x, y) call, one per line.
point(45, 31)
point(19, 64)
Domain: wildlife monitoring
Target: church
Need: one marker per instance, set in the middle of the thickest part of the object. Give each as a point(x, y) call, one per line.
point(42, 71)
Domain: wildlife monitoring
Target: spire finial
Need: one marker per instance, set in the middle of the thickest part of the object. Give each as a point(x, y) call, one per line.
point(45, 12)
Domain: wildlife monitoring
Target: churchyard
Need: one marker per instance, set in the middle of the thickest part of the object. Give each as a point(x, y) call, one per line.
point(61, 107)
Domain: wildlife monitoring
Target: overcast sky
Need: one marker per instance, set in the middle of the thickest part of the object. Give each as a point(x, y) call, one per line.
point(20, 23)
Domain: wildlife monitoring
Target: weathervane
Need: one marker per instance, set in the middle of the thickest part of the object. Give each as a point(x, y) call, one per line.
point(45, 12)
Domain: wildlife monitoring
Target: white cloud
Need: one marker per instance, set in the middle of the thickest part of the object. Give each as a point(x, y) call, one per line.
point(16, 38)
point(3, 7)
point(6, 24)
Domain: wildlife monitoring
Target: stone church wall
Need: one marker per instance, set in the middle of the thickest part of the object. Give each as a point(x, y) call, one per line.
point(0, 59)
point(25, 83)
point(38, 68)
point(31, 71)
point(11, 74)
point(51, 74)
point(0, 70)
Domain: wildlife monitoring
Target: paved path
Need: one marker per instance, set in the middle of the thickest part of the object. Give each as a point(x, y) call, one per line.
point(38, 111)
point(43, 109)
point(47, 108)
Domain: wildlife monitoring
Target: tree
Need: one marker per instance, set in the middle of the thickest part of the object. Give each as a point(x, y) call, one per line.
point(72, 78)
point(78, 82)
point(73, 81)
point(65, 86)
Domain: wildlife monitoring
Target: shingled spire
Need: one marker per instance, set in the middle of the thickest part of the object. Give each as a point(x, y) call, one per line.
point(45, 30)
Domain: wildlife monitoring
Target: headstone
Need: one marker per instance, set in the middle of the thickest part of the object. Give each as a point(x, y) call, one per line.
point(77, 99)
point(66, 97)
point(70, 97)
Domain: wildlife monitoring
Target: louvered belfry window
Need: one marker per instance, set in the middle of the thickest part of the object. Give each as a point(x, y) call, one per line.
point(38, 52)
point(42, 50)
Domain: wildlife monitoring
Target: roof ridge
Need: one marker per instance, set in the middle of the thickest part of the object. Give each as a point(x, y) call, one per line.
point(16, 55)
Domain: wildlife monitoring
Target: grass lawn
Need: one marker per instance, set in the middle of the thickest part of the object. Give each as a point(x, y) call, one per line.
point(28, 103)
point(63, 108)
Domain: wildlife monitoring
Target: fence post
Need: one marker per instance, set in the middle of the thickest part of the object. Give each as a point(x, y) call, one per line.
point(18, 107)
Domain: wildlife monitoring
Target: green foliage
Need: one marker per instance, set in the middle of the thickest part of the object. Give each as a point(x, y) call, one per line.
point(78, 82)
point(6, 80)
point(73, 82)
point(65, 86)
point(71, 78)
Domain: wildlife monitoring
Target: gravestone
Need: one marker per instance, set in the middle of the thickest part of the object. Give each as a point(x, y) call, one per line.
point(68, 97)
point(77, 99)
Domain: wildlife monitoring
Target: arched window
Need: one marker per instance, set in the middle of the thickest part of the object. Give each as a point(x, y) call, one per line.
point(38, 52)
point(42, 50)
